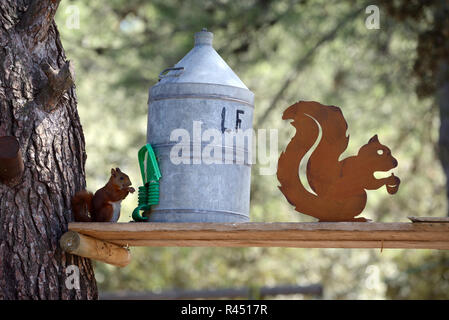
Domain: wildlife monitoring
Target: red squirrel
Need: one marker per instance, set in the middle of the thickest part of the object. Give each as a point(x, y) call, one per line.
point(339, 185)
point(104, 205)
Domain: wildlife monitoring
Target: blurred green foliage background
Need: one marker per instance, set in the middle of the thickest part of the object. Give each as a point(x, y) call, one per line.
point(312, 50)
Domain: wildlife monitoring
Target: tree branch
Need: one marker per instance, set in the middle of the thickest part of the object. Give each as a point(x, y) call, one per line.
point(303, 61)
point(59, 81)
point(11, 163)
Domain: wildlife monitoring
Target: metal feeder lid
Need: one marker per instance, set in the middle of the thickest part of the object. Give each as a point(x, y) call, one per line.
point(202, 65)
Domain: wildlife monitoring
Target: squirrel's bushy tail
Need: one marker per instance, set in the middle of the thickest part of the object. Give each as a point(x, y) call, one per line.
point(82, 205)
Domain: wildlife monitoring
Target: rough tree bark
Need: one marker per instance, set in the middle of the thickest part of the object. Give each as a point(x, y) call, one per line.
point(38, 107)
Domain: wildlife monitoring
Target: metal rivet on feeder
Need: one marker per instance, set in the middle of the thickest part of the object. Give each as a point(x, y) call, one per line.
point(201, 92)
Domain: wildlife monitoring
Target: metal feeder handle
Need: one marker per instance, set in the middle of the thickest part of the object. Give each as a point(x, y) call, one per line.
point(164, 72)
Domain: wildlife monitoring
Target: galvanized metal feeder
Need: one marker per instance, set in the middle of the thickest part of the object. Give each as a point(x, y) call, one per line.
point(200, 93)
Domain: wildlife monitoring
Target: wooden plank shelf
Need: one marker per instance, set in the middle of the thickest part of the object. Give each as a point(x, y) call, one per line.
point(421, 235)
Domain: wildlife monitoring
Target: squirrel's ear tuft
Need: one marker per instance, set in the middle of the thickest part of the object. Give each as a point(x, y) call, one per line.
point(117, 169)
point(113, 172)
point(374, 139)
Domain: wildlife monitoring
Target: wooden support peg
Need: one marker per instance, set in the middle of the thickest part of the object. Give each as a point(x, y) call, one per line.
point(88, 247)
point(11, 163)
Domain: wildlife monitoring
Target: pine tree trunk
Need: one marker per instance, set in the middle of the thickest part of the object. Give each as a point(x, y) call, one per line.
point(38, 107)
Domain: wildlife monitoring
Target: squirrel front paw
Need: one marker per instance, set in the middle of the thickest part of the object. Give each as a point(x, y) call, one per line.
point(131, 189)
point(393, 184)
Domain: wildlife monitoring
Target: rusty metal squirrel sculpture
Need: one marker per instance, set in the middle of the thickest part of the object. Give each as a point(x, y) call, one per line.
point(339, 185)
